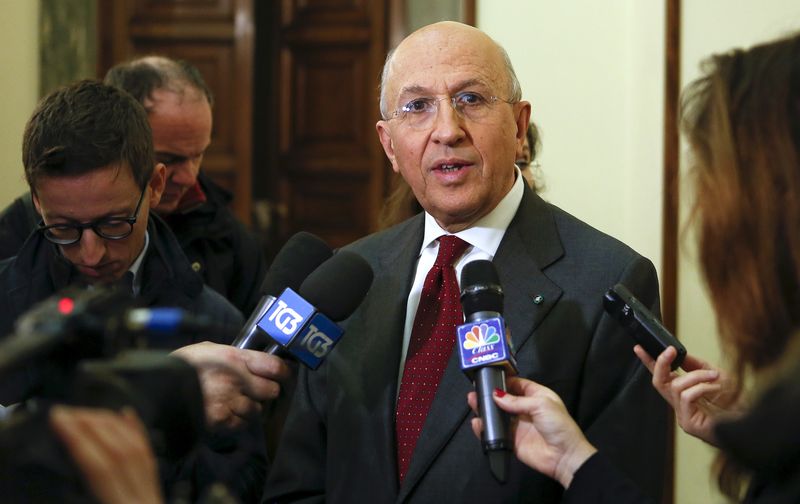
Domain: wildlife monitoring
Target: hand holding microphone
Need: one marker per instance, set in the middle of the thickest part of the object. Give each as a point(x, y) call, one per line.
point(234, 381)
point(486, 356)
point(297, 325)
point(544, 435)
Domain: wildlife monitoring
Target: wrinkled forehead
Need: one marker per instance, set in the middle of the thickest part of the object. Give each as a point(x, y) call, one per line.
point(442, 62)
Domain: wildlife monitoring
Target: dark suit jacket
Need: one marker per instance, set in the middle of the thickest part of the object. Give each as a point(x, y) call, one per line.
point(339, 445)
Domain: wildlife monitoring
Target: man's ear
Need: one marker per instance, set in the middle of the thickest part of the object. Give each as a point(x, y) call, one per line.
point(36, 202)
point(158, 180)
point(385, 136)
point(523, 119)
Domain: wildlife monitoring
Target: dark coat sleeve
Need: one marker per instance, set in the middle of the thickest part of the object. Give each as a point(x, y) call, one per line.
point(619, 410)
point(17, 221)
point(301, 475)
point(599, 482)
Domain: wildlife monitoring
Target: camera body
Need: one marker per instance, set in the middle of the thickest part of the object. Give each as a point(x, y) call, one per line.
point(74, 349)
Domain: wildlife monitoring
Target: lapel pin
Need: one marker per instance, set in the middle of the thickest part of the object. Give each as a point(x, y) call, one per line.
point(539, 299)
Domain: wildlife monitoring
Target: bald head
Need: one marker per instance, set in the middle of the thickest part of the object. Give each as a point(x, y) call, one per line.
point(457, 159)
point(440, 43)
point(142, 77)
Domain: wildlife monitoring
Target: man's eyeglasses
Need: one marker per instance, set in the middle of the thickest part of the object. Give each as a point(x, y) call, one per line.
point(110, 228)
point(419, 113)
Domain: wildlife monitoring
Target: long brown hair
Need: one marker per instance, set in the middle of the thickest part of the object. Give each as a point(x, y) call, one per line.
point(742, 120)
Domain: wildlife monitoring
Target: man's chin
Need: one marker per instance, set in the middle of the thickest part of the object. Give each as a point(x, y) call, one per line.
point(97, 278)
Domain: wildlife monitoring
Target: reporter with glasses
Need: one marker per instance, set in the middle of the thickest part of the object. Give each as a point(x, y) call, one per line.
point(88, 157)
point(89, 162)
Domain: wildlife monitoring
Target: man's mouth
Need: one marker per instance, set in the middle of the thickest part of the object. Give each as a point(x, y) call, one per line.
point(447, 168)
point(95, 271)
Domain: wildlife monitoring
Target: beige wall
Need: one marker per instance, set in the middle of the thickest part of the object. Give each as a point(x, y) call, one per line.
point(596, 91)
point(19, 88)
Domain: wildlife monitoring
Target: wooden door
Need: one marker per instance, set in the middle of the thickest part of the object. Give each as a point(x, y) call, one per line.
point(324, 169)
point(217, 37)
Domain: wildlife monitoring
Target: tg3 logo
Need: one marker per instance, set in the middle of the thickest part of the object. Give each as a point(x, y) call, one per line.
point(288, 321)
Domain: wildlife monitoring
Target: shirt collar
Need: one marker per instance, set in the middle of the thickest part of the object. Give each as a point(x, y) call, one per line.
point(487, 232)
point(136, 267)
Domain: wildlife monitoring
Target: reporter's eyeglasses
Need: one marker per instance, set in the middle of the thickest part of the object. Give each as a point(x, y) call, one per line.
point(419, 113)
point(110, 228)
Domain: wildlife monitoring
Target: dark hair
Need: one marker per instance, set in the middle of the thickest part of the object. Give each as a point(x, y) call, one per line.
point(742, 120)
point(534, 140)
point(85, 126)
point(142, 76)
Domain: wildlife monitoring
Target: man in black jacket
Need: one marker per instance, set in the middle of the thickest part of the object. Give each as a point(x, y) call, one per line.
point(218, 246)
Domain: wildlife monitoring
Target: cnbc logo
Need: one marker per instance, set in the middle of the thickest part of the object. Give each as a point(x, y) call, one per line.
point(480, 336)
point(482, 343)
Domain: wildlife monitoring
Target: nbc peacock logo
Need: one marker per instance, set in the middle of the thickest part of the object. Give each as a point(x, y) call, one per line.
point(481, 336)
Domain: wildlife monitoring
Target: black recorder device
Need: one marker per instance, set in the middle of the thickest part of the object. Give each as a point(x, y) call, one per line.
point(641, 323)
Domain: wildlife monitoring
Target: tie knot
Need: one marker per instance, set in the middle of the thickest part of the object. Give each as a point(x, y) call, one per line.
point(450, 249)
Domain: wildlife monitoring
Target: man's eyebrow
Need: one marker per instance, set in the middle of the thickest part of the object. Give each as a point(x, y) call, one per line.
point(112, 214)
point(416, 89)
point(168, 154)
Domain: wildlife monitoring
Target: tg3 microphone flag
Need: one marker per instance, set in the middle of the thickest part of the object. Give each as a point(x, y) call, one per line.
point(301, 255)
point(486, 356)
point(304, 324)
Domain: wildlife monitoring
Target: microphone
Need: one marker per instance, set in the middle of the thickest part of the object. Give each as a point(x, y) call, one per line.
point(304, 324)
point(486, 356)
point(301, 254)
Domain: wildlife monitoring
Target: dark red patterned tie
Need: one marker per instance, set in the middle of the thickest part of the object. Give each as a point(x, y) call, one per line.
point(432, 340)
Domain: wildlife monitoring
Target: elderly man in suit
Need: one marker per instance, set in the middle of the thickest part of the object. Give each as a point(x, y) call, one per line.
point(386, 418)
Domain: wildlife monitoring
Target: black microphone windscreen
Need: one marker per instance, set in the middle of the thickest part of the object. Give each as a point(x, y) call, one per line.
point(480, 288)
point(339, 285)
point(301, 255)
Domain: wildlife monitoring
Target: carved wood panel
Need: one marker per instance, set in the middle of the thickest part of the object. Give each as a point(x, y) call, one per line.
point(330, 171)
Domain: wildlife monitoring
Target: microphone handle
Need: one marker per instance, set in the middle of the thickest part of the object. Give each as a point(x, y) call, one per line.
point(279, 351)
point(495, 421)
point(251, 336)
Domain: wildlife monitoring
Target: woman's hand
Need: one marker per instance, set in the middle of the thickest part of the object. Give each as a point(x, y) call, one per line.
point(545, 436)
point(699, 397)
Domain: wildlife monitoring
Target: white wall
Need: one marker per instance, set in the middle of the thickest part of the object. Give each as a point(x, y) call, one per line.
point(593, 72)
point(19, 88)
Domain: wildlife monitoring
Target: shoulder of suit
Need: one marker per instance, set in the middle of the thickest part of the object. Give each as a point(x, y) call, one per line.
point(379, 241)
point(574, 231)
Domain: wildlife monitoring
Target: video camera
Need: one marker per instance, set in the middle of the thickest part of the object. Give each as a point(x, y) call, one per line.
point(75, 348)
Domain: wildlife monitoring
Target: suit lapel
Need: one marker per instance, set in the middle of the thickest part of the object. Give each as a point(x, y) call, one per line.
point(381, 358)
point(530, 244)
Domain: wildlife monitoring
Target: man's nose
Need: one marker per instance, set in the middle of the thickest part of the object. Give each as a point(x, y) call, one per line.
point(448, 126)
point(184, 174)
point(92, 247)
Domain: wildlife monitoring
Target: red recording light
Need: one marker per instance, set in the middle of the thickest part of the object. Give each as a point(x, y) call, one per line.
point(65, 305)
